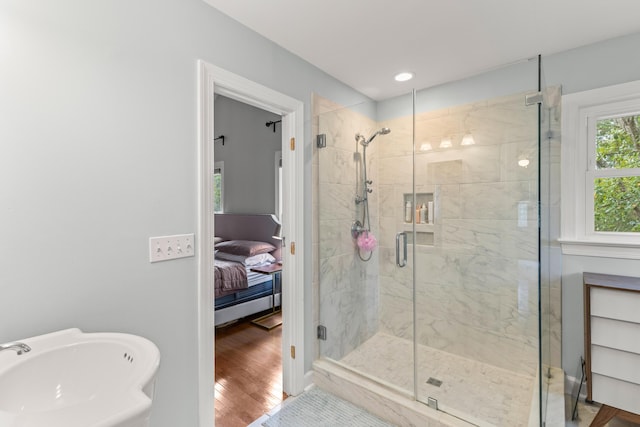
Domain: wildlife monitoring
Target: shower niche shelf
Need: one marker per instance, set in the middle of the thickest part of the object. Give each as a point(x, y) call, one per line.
point(424, 230)
point(420, 228)
point(423, 238)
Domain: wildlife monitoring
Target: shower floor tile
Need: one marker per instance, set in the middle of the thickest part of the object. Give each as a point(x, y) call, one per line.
point(474, 391)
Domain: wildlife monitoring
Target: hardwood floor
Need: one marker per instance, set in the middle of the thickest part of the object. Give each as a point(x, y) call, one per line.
point(248, 373)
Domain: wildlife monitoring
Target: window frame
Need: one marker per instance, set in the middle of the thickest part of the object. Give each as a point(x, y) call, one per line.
point(580, 112)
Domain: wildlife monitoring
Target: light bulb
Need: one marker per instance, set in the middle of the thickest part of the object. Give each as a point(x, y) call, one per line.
point(446, 143)
point(467, 139)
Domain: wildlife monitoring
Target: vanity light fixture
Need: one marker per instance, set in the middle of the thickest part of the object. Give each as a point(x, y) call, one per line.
point(403, 77)
point(467, 139)
point(446, 143)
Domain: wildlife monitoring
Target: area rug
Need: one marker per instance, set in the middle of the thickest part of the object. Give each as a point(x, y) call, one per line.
point(317, 408)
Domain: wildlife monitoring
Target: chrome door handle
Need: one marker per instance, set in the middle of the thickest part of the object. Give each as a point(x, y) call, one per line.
point(402, 263)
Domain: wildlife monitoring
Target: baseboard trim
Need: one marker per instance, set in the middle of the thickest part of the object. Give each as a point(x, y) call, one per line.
point(308, 380)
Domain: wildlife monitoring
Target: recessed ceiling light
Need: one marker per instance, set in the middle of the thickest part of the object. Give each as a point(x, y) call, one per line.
point(403, 77)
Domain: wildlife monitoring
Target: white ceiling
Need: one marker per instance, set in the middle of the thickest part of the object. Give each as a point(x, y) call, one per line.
point(364, 43)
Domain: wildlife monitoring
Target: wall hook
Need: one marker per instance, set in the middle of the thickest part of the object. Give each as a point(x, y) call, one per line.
point(220, 137)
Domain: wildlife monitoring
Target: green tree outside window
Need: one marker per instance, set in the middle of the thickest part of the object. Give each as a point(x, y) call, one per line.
point(217, 192)
point(617, 199)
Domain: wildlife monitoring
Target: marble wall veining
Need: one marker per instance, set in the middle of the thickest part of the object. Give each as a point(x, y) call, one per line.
point(347, 287)
point(476, 286)
point(476, 277)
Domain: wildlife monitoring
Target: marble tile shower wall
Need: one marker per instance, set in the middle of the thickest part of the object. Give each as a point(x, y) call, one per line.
point(476, 286)
point(347, 288)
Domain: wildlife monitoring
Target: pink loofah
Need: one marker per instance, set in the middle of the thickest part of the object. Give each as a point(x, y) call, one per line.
point(367, 241)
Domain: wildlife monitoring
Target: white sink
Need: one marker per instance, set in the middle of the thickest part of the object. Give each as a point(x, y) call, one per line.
point(71, 378)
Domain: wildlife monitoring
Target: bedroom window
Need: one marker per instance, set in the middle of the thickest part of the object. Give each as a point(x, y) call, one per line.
point(279, 185)
point(218, 187)
point(601, 172)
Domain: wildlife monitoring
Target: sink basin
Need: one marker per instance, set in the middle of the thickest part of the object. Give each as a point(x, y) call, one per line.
point(71, 378)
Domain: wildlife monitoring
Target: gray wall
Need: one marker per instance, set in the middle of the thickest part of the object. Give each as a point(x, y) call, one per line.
point(98, 130)
point(588, 67)
point(248, 154)
point(99, 144)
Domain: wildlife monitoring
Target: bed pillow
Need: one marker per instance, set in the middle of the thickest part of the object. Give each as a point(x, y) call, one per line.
point(259, 260)
point(230, 257)
point(245, 247)
point(252, 261)
point(217, 239)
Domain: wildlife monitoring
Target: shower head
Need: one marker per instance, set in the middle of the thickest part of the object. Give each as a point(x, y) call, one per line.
point(382, 131)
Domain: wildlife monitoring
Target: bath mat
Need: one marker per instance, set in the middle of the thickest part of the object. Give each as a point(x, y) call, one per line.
point(317, 408)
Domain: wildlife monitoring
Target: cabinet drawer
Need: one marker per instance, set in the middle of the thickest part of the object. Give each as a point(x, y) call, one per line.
point(615, 334)
point(616, 393)
point(615, 304)
point(615, 363)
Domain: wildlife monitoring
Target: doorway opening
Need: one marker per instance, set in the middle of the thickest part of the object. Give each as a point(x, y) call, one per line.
point(248, 317)
point(216, 81)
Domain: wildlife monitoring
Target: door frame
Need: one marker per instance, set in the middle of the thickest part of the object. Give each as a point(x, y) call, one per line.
point(214, 80)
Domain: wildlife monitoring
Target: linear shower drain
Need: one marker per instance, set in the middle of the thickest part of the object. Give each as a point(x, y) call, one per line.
point(434, 381)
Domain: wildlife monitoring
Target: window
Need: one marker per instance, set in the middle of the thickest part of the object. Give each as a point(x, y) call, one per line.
point(218, 187)
point(615, 173)
point(600, 195)
point(279, 185)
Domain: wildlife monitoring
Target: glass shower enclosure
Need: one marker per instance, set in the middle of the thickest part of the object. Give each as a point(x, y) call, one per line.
point(429, 252)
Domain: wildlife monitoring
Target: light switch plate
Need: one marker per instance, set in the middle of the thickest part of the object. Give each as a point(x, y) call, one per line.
point(165, 248)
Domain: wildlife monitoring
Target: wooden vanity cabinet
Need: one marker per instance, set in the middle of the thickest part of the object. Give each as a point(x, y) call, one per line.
point(612, 345)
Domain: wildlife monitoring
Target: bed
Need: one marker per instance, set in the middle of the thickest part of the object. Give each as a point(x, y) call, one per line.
point(240, 292)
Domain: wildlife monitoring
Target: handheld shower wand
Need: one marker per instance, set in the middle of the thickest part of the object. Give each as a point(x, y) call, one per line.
point(366, 142)
point(358, 228)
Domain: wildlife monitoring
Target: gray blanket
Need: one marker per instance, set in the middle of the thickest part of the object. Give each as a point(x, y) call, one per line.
point(229, 277)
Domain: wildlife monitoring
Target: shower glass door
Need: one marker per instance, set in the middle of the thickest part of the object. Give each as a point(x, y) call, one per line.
point(365, 298)
point(444, 307)
point(476, 280)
